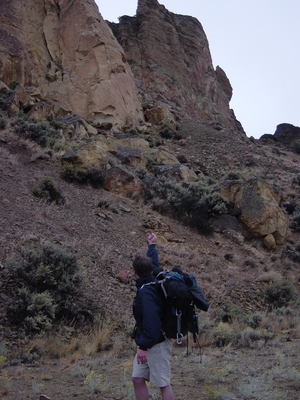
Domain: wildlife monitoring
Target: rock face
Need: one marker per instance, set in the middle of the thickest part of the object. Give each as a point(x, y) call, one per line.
point(170, 58)
point(287, 133)
point(259, 211)
point(67, 54)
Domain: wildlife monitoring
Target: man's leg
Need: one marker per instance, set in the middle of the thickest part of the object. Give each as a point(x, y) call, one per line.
point(140, 389)
point(167, 393)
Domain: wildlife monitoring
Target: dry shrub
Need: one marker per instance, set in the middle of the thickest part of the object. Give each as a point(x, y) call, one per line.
point(270, 276)
point(99, 338)
point(57, 346)
point(280, 293)
point(53, 346)
point(282, 320)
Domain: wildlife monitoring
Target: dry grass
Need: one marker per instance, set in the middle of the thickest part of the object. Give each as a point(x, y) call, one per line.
point(270, 276)
point(99, 338)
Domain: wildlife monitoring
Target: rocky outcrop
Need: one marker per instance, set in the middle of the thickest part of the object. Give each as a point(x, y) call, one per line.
point(258, 207)
point(65, 52)
point(170, 58)
point(119, 160)
point(122, 181)
point(287, 133)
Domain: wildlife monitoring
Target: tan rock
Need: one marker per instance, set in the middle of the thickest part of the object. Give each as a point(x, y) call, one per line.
point(229, 189)
point(270, 242)
point(235, 236)
point(71, 58)
point(177, 171)
point(259, 208)
point(158, 115)
point(93, 155)
point(91, 131)
point(41, 110)
point(122, 181)
point(162, 40)
point(131, 157)
point(164, 157)
point(20, 100)
point(134, 142)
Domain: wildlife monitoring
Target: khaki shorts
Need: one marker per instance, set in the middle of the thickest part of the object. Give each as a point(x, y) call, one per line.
point(157, 370)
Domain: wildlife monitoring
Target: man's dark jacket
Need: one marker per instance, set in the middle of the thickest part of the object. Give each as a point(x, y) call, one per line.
point(148, 308)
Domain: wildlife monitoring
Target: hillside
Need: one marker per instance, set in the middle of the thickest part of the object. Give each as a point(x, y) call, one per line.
point(108, 131)
point(106, 230)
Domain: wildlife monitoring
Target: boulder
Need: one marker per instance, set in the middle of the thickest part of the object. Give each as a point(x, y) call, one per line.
point(131, 157)
point(41, 110)
point(122, 181)
point(162, 156)
point(258, 207)
point(91, 156)
point(19, 100)
point(270, 242)
point(176, 171)
point(158, 115)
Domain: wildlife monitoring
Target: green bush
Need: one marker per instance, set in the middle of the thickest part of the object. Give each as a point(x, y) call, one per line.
point(234, 176)
point(41, 132)
point(166, 131)
point(279, 293)
point(293, 253)
point(48, 190)
point(217, 204)
point(223, 334)
point(46, 286)
point(231, 312)
point(191, 202)
point(141, 172)
point(254, 320)
point(13, 85)
point(81, 175)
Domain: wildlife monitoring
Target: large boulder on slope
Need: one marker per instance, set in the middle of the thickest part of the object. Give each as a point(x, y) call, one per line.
point(258, 207)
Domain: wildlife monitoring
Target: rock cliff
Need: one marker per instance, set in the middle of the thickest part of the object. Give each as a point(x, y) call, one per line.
point(65, 52)
point(170, 58)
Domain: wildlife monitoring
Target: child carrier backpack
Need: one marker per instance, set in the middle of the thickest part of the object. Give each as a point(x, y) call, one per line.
point(181, 295)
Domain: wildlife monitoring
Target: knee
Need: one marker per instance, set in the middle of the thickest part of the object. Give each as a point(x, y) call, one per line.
point(137, 382)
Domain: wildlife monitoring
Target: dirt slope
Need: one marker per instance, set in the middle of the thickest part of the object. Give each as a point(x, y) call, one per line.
point(106, 231)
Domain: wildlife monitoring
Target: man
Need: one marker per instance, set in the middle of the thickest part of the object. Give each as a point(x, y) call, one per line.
point(152, 360)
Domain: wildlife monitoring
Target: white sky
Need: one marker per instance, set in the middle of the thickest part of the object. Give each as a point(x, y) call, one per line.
point(257, 44)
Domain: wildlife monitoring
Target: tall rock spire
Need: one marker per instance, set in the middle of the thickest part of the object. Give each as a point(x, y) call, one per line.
point(146, 4)
point(170, 59)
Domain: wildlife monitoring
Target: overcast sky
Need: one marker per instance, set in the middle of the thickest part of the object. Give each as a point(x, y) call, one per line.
point(257, 44)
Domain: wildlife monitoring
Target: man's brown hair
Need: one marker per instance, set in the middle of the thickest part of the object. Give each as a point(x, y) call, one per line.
point(142, 266)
